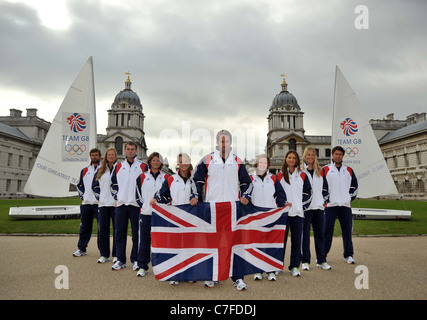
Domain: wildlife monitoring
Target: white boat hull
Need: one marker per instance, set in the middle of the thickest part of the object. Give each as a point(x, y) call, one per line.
point(380, 214)
point(45, 212)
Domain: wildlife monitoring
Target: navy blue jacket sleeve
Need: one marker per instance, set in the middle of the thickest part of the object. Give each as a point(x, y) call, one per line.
point(114, 187)
point(245, 181)
point(199, 179)
point(95, 186)
point(325, 188)
point(80, 185)
point(138, 191)
point(354, 186)
point(164, 195)
point(306, 192)
point(280, 194)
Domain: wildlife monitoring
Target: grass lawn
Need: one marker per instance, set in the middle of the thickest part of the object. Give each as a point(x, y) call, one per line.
point(417, 224)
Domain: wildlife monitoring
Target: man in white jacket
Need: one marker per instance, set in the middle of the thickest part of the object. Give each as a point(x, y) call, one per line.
point(89, 206)
point(340, 188)
point(123, 186)
point(223, 177)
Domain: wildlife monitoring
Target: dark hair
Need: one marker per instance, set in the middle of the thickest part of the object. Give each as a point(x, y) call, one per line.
point(95, 150)
point(151, 156)
point(285, 165)
point(339, 148)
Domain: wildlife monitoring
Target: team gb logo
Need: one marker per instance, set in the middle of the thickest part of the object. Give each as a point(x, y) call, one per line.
point(76, 122)
point(349, 127)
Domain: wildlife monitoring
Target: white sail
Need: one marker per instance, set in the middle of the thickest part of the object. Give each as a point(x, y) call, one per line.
point(72, 134)
point(352, 131)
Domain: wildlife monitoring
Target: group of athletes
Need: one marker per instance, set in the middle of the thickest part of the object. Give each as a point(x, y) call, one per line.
point(120, 192)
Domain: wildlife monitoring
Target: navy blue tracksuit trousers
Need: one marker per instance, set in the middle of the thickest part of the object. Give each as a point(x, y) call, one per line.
point(295, 226)
point(105, 215)
point(122, 216)
point(345, 217)
point(144, 246)
point(315, 218)
point(87, 213)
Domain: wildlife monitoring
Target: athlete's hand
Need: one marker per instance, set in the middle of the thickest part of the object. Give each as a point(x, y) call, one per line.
point(194, 201)
point(244, 201)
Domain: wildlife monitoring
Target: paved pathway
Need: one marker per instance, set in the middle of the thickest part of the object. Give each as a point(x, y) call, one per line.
point(396, 268)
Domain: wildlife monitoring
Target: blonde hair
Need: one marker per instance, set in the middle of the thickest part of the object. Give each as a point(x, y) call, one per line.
point(104, 163)
point(316, 166)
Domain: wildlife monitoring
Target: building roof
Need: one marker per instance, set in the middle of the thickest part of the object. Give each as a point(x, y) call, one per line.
point(405, 131)
point(11, 131)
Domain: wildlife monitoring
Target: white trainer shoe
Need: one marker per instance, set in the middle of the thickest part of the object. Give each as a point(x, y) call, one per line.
point(349, 260)
point(209, 284)
point(174, 283)
point(295, 272)
point(135, 266)
point(103, 259)
point(79, 253)
point(240, 285)
point(258, 276)
point(324, 266)
point(142, 273)
point(118, 266)
point(271, 276)
point(305, 266)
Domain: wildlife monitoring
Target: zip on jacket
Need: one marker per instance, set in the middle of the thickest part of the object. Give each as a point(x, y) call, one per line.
point(221, 180)
point(123, 181)
point(298, 192)
point(146, 188)
point(267, 192)
point(84, 186)
point(340, 185)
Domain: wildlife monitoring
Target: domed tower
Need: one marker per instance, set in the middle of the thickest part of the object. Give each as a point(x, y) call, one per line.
point(126, 122)
point(285, 127)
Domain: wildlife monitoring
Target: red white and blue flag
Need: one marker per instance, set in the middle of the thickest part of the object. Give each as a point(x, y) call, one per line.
point(214, 241)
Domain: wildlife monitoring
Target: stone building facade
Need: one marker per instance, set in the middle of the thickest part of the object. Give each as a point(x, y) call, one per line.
point(21, 138)
point(286, 131)
point(405, 152)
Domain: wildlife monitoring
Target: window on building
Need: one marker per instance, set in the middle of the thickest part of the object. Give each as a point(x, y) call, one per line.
point(8, 185)
point(292, 144)
point(21, 159)
point(9, 159)
point(119, 145)
point(328, 153)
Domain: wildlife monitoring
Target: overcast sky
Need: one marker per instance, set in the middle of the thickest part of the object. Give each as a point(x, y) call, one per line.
point(215, 63)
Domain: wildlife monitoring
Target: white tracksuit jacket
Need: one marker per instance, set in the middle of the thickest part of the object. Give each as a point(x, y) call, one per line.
point(340, 186)
point(146, 189)
point(123, 181)
point(84, 186)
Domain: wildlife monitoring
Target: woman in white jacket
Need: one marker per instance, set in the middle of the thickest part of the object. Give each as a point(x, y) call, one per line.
point(314, 215)
point(147, 184)
point(106, 204)
point(267, 192)
point(298, 193)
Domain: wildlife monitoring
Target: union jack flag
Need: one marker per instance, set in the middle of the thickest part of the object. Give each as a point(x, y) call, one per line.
point(214, 241)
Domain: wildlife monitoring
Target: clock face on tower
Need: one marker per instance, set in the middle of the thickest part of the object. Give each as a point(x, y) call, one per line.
point(288, 107)
point(123, 105)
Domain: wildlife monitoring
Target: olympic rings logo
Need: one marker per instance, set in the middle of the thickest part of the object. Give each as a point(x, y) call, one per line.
point(75, 149)
point(349, 152)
